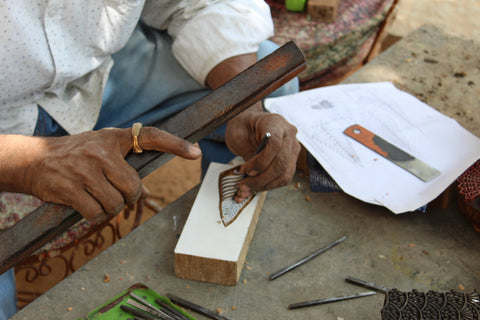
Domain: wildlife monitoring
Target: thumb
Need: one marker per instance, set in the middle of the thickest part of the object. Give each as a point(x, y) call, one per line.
point(151, 138)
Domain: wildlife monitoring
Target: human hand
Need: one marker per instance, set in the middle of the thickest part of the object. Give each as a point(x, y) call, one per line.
point(89, 172)
point(275, 165)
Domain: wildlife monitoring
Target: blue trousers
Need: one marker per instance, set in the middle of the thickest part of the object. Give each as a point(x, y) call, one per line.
point(146, 84)
point(8, 295)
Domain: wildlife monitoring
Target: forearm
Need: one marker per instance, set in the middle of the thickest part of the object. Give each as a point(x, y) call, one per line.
point(17, 153)
point(228, 69)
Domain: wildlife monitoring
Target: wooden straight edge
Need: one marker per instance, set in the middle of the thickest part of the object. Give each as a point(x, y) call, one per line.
point(195, 122)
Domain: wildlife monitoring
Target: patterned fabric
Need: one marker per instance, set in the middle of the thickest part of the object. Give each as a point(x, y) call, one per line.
point(346, 41)
point(430, 305)
point(15, 206)
point(469, 182)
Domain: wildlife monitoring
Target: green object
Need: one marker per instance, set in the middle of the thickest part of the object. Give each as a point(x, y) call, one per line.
point(295, 5)
point(112, 311)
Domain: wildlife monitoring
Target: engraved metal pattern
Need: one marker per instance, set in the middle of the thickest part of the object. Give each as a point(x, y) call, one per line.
point(431, 305)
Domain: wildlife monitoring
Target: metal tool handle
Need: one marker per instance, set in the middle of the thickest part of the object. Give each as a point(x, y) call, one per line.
point(197, 308)
point(195, 122)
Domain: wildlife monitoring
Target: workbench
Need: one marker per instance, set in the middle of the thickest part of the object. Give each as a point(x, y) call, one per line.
point(437, 250)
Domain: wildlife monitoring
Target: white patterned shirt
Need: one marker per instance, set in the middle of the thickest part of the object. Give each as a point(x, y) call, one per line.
point(57, 53)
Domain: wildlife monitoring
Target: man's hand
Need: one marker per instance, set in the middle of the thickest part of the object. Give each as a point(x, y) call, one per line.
point(274, 166)
point(87, 171)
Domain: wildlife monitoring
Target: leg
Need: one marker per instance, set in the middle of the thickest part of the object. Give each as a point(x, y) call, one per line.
point(8, 295)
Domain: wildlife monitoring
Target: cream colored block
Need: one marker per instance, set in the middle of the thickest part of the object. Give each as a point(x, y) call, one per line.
point(207, 250)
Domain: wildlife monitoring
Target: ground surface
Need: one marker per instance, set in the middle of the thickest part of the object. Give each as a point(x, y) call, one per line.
point(459, 17)
point(173, 179)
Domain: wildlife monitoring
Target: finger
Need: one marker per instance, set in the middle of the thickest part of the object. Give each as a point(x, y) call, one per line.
point(278, 174)
point(262, 159)
point(152, 138)
point(87, 205)
point(243, 193)
point(111, 200)
point(279, 155)
point(125, 179)
point(145, 193)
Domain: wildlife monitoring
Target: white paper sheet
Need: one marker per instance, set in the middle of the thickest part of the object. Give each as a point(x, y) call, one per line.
point(321, 115)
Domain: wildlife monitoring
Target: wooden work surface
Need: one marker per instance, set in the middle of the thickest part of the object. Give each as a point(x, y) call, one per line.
point(438, 250)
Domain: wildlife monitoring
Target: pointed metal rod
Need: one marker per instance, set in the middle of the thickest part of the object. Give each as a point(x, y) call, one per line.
point(151, 306)
point(195, 307)
point(150, 311)
point(365, 284)
point(329, 300)
point(306, 259)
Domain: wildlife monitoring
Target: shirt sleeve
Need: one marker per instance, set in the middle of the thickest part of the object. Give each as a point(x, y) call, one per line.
point(206, 33)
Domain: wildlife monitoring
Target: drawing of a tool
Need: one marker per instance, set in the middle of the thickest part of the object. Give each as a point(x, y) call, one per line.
point(228, 188)
point(384, 148)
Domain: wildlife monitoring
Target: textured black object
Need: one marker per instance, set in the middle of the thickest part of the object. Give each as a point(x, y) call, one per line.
point(430, 305)
point(320, 180)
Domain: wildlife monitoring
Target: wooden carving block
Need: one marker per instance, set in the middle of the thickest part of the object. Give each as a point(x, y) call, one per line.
point(322, 10)
point(207, 250)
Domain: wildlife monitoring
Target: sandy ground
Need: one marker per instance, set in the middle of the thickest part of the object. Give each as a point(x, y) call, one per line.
point(457, 17)
point(173, 179)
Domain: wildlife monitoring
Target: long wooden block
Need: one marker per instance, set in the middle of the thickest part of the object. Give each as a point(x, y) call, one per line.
point(207, 250)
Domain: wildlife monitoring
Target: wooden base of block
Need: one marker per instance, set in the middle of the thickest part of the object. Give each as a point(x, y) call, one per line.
point(207, 250)
point(322, 10)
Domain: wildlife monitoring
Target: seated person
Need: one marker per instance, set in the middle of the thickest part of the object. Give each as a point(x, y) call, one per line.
point(76, 75)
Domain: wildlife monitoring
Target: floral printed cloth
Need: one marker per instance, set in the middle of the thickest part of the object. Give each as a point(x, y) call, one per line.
point(329, 45)
point(15, 206)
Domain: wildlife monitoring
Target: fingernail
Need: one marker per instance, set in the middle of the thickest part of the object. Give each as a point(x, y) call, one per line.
point(252, 173)
point(194, 150)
